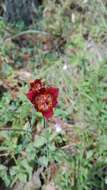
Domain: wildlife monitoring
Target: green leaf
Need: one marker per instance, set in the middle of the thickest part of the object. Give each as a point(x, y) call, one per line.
point(22, 177)
point(43, 161)
point(40, 141)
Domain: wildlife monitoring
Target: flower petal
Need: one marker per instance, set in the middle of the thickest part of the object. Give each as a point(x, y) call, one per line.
point(43, 98)
point(54, 102)
point(36, 85)
point(30, 95)
point(54, 91)
point(34, 82)
point(48, 113)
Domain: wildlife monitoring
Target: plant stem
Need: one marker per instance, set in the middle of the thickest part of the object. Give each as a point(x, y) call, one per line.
point(44, 123)
point(47, 143)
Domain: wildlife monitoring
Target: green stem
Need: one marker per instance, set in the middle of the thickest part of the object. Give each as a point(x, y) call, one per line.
point(45, 126)
point(47, 143)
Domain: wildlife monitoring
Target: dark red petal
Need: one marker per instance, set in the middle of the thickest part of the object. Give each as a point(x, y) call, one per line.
point(30, 95)
point(48, 114)
point(53, 91)
point(33, 82)
point(54, 102)
point(43, 90)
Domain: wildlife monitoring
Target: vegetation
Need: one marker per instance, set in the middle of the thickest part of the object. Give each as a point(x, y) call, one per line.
point(66, 47)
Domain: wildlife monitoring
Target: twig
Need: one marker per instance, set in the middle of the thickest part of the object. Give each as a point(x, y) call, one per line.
point(9, 129)
point(28, 32)
point(5, 154)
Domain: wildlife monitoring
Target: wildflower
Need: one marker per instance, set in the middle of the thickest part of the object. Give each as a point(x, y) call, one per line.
point(65, 67)
point(35, 87)
point(58, 125)
point(58, 128)
point(44, 99)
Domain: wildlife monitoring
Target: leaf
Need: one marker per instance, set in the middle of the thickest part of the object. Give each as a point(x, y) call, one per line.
point(22, 177)
point(89, 154)
point(4, 175)
point(39, 141)
point(43, 161)
point(27, 168)
point(2, 167)
point(13, 171)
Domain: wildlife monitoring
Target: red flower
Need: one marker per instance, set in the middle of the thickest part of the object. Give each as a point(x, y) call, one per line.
point(35, 87)
point(43, 98)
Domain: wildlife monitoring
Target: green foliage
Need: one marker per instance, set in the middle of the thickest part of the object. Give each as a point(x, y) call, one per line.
point(74, 59)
